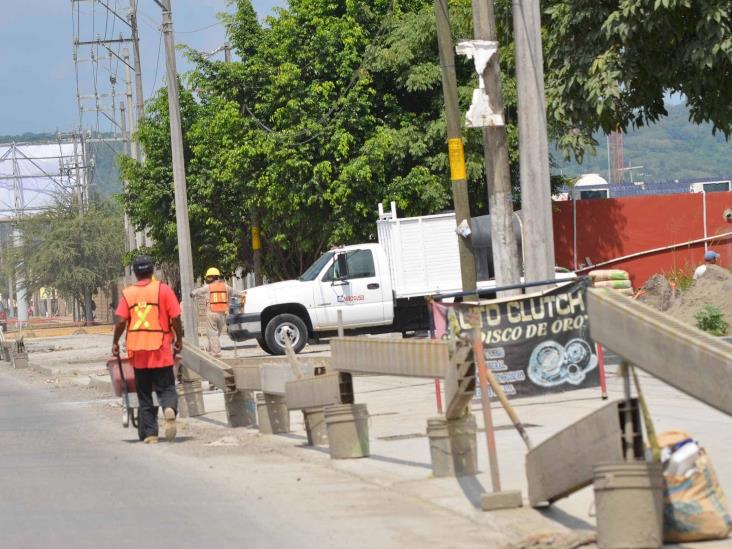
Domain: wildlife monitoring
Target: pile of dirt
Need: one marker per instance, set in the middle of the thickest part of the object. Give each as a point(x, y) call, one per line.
point(714, 287)
point(657, 293)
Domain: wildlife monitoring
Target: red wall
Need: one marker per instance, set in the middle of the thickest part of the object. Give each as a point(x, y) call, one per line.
point(615, 227)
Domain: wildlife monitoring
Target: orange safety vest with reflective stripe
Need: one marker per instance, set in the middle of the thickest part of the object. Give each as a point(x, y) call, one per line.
point(218, 297)
point(144, 329)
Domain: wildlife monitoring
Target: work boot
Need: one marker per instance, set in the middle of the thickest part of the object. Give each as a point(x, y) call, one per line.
point(151, 440)
point(170, 428)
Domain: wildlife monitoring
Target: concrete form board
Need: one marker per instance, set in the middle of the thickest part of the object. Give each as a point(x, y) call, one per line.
point(318, 391)
point(274, 377)
point(410, 358)
point(690, 360)
point(264, 361)
point(247, 377)
point(208, 367)
point(563, 463)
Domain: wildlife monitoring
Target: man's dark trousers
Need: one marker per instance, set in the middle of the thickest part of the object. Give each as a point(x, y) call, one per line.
point(162, 380)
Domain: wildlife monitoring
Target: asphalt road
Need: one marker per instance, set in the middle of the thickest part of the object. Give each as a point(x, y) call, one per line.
point(70, 478)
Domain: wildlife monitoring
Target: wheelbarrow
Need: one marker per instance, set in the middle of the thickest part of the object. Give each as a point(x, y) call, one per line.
point(123, 383)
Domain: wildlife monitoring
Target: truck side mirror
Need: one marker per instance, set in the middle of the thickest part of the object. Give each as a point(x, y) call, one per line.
point(342, 262)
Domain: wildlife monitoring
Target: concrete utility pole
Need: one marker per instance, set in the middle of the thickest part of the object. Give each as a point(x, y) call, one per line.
point(129, 230)
point(185, 256)
point(455, 142)
point(533, 146)
point(140, 98)
point(497, 168)
point(141, 236)
point(128, 97)
point(138, 237)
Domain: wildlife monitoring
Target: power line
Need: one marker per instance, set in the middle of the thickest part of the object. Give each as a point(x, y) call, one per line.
point(157, 64)
point(201, 29)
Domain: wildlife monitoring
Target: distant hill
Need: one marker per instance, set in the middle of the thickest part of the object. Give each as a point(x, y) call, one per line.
point(105, 180)
point(674, 148)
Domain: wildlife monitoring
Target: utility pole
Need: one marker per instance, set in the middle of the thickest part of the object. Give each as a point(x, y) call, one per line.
point(191, 380)
point(135, 152)
point(497, 168)
point(140, 98)
point(142, 238)
point(129, 231)
point(533, 145)
point(185, 255)
point(454, 142)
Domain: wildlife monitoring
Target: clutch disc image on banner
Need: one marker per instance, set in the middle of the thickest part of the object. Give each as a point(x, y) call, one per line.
point(554, 364)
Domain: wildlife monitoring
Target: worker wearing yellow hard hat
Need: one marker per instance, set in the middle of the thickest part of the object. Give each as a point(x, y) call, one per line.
point(217, 293)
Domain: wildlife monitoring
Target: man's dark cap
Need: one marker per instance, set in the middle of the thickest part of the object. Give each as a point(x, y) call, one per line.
point(143, 264)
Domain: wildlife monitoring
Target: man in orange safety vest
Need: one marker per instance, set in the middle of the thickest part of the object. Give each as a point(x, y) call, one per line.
point(217, 293)
point(150, 312)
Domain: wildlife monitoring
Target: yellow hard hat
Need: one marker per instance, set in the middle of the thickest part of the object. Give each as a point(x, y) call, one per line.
point(213, 271)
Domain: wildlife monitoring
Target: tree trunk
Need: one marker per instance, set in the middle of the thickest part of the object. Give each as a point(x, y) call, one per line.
point(88, 313)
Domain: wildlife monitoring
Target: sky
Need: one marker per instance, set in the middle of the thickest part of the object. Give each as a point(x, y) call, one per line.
point(37, 77)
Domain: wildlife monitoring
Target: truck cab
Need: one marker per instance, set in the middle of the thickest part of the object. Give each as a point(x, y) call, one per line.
point(351, 282)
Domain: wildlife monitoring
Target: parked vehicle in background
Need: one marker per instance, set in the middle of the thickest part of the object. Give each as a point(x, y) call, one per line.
point(376, 287)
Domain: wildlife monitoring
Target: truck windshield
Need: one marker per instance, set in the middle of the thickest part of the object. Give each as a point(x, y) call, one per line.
point(315, 268)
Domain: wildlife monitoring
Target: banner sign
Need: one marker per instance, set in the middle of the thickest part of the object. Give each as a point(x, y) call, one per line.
point(535, 344)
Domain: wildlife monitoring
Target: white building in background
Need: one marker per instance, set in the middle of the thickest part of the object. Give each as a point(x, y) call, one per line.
point(590, 185)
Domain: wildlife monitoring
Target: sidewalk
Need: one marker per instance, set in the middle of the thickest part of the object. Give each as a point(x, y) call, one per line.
point(400, 460)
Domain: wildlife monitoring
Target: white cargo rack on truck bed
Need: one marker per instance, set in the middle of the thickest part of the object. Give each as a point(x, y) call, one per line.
point(422, 252)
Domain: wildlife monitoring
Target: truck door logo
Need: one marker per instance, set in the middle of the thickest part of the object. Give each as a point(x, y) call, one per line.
point(350, 298)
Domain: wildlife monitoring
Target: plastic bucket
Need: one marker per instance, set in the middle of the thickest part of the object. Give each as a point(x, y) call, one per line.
point(273, 414)
point(315, 427)
point(348, 430)
point(629, 502)
point(453, 446)
point(190, 399)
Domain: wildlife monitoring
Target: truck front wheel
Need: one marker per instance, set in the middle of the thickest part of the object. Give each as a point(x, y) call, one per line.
point(277, 330)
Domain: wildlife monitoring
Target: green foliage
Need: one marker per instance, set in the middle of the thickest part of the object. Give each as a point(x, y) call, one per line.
point(76, 254)
point(610, 63)
point(310, 131)
point(711, 320)
point(337, 106)
point(681, 277)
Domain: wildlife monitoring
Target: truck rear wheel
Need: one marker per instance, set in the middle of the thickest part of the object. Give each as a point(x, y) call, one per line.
point(279, 327)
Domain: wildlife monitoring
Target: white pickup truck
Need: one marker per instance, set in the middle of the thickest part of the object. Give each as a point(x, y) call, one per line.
point(377, 287)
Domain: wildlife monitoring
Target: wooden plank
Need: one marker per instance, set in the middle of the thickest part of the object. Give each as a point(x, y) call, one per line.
point(318, 391)
point(459, 381)
point(275, 376)
point(693, 361)
point(207, 366)
point(563, 463)
point(425, 358)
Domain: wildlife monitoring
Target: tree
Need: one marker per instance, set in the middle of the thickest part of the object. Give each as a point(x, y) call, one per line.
point(336, 106)
point(76, 254)
point(311, 130)
point(611, 63)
